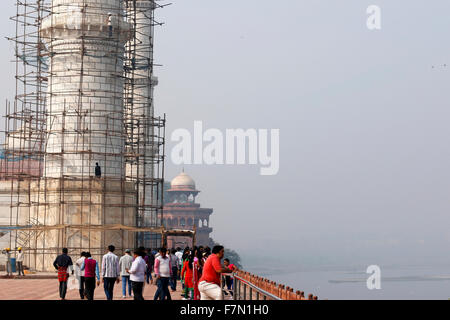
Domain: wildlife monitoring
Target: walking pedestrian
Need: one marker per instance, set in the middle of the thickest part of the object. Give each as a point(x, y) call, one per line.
point(163, 272)
point(137, 274)
point(209, 285)
point(63, 263)
point(91, 271)
point(187, 275)
point(179, 255)
point(19, 262)
point(174, 276)
point(145, 256)
point(80, 274)
point(197, 272)
point(110, 272)
point(185, 257)
point(125, 263)
point(150, 265)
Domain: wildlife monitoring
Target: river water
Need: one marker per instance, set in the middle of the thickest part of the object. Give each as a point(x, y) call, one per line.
point(397, 282)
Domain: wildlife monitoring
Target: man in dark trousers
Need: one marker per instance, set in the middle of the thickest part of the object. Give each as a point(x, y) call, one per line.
point(110, 272)
point(91, 271)
point(62, 263)
point(98, 170)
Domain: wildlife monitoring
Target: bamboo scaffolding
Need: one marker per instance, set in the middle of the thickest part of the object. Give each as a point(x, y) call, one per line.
point(30, 122)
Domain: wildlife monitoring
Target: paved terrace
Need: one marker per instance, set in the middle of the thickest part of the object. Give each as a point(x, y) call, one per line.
point(48, 289)
point(45, 286)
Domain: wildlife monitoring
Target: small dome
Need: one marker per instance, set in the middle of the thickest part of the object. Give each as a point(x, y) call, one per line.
point(183, 181)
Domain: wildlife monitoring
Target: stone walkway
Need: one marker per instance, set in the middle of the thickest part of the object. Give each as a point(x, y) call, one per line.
point(47, 289)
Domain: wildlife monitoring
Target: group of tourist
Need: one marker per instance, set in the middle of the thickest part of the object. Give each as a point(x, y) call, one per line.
point(198, 268)
point(200, 273)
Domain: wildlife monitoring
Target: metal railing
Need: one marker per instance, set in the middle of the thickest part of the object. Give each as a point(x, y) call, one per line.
point(246, 286)
point(244, 290)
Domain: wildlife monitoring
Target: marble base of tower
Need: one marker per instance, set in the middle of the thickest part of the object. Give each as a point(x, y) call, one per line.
point(75, 214)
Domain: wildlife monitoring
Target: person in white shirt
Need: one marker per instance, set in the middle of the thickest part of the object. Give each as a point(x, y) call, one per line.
point(137, 274)
point(80, 274)
point(19, 262)
point(179, 255)
point(163, 272)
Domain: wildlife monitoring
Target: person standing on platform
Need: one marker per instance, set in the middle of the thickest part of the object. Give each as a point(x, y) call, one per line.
point(110, 272)
point(125, 263)
point(80, 274)
point(63, 263)
point(91, 271)
point(98, 171)
point(137, 274)
point(209, 285)
point(110, 24)
point(19, 262)
point(8, 268)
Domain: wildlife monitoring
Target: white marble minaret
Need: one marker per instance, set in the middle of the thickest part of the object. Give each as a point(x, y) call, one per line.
point(86, 39)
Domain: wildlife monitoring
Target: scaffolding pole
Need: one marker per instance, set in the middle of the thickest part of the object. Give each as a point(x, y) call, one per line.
point(84, 95)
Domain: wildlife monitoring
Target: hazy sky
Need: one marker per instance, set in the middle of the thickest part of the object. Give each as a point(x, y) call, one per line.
point(363, 117)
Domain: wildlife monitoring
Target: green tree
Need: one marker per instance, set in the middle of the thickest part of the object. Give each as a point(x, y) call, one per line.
point(232, 255)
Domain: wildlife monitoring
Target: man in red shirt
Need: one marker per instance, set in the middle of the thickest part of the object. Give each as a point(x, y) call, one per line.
point(209, 283)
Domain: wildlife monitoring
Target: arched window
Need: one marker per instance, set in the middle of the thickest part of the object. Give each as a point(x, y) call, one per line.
point(169, 222)
point(205, 223)
point(174, 222)
point(164, 222)
point(182, 222)
point(190, 222)
point(200, 224)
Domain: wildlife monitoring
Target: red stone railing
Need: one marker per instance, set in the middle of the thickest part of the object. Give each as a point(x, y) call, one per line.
point(248, 286)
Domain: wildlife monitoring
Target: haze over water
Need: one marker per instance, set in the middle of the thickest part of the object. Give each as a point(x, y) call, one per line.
point(397, 282)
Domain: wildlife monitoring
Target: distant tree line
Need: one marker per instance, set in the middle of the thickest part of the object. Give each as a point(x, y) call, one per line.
point(232, 255)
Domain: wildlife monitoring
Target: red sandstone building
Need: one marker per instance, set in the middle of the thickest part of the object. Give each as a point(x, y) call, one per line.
point(181, 212)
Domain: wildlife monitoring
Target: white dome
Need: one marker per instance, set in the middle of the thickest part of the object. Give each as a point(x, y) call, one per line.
point(182, 181)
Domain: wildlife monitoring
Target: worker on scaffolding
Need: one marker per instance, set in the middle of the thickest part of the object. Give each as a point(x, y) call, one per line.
point(98, 171)
point(19, 262)
point(110, 25)
point(8, 261)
